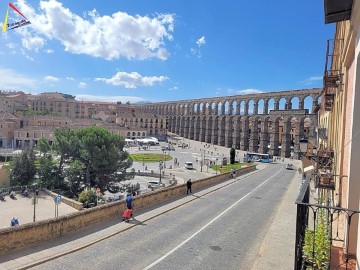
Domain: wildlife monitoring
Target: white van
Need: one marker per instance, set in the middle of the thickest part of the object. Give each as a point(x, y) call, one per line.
point(189, 165)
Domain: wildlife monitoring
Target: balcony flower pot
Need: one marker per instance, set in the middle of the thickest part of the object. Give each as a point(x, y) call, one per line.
point(325, 179)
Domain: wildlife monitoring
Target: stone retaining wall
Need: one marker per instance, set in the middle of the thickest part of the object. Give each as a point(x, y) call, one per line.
point(74, 204)
point(40, 231)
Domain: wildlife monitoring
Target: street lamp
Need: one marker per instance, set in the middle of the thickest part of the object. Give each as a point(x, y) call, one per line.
point(216, 165)
point(160, 167)
point(303, 143)
point(143, 163)
point(164, 159)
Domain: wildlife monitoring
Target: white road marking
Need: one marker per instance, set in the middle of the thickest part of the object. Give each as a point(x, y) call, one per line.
point(208, 224)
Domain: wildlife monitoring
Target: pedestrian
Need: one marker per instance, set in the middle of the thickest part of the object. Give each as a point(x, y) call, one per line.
point(14, 222)
point(129, 201)
point(188, 185)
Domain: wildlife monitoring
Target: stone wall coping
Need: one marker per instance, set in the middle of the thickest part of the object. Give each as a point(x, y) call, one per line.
point(74, 204)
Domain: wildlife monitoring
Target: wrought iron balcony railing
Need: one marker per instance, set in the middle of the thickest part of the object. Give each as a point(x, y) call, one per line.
point(332, 79)
point(322, 233)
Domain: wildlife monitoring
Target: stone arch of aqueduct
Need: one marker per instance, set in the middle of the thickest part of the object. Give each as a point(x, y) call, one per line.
point(254, 122)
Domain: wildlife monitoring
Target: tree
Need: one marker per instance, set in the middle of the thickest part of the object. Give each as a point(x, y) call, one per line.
point(73, 175)
point(66, 146)
point(23, 169)
point(47, 171)
point(102, 155)
point(43, 146)
point(232, 155)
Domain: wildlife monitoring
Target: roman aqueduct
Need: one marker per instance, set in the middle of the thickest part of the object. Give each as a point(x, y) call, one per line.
point(272, 122)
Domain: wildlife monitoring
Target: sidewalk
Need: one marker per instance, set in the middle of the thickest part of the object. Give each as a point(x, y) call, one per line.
point(278, 247)
point(283, 227)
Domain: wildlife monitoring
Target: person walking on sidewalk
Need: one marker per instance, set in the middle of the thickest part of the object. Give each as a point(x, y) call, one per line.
point(188, 185)
point(129, 201)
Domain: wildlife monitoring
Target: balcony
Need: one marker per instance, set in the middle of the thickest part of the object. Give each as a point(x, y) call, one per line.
point(336, 10)
point(325, 181)
point(324, 159)
point(321, 231)
point(332, 79)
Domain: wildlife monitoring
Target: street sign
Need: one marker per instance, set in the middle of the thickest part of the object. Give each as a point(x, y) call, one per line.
point(57, 199)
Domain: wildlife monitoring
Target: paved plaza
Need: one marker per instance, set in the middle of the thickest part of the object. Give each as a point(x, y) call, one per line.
point(22, 208)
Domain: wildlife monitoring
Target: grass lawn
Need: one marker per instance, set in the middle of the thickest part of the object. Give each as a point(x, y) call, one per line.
point(149, 157)
point(227, 168)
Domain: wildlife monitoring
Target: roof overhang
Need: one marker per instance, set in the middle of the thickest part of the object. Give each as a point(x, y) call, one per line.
point(337, 10)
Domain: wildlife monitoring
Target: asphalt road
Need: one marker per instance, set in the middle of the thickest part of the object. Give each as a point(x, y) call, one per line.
point(221, 230)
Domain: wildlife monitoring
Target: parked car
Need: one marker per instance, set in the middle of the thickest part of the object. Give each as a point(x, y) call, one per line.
point(155, 184)
point(116, 197)
point(168, 148)
point(289, 167)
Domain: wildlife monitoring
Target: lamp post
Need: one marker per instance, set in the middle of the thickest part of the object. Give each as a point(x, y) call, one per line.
point(143, 163)
point(164, 159)
point(303, 144)
point(216, 165)
point(160, 167)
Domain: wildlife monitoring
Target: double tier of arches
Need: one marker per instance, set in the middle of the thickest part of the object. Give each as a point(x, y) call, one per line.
point(256, 133)
point(265, 123)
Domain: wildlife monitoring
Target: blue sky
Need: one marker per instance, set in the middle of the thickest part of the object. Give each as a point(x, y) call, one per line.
point(163, 50)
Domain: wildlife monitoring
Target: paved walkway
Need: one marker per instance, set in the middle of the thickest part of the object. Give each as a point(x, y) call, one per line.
point(283, 227)
point(22, 208)
point(278, 247)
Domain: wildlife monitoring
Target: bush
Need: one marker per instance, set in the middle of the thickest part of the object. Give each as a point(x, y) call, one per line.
point(87, 197)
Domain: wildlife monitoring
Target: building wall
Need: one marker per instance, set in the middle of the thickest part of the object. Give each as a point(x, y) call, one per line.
point(354, 147)
point(345, 124)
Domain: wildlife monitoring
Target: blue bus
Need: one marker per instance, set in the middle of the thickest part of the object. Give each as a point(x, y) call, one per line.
point(256, 157)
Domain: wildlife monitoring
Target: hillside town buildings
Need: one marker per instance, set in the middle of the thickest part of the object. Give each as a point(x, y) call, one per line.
point(26, 118)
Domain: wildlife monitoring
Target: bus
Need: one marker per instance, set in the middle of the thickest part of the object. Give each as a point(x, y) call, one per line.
point(256, 157)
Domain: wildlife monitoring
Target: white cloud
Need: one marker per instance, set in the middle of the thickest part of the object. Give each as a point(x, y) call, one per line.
point(49, 51)
point(196, 51)
point(34, 43)
point(70, 78)
point(123, 99)
point(173, 88)
point(51, 79)
point(11, 45)
point(312, 80)
point(109, 36)
point(11, 80)
point(247, 91)
point(132, 80)
point(82, 85)
point(201, 41)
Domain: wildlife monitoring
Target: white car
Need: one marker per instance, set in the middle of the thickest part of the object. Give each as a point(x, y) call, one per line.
point(155, 184)
point(289, 167)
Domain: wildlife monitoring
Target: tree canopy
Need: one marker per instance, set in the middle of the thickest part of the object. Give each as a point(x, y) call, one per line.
point(23, 169)
point(90, 156)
